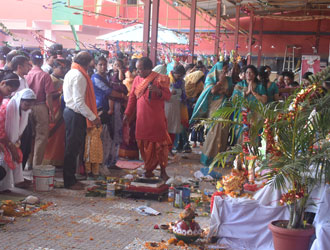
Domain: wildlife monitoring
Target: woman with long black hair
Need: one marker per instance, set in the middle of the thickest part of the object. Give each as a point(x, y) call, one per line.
point(271, 87)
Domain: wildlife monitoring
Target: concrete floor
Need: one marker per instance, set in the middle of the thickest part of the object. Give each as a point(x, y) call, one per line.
point(79, 222)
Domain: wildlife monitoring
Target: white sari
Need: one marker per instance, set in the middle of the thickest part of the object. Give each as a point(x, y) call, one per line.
point(15, 124)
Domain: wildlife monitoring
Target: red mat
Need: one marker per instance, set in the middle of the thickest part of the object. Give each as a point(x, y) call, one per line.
point(129, 164)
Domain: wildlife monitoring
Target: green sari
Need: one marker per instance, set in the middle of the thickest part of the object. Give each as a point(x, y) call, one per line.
point(239, 91)
point(217, 135)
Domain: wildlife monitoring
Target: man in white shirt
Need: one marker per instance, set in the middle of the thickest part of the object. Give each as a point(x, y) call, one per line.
point(49, 62)
point(76, 112)
point(21, 66)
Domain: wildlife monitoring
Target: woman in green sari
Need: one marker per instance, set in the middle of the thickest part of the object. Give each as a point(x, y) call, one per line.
point(250, 88)
point(271, 87)
point(217, 89)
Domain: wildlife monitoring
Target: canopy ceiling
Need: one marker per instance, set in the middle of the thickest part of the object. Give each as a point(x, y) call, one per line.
point(264, 7)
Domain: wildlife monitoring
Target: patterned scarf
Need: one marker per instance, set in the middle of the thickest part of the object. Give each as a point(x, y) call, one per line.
point(90, 99)
point(142, 87)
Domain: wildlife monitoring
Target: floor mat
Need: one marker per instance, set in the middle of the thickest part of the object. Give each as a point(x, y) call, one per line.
point(129, 164)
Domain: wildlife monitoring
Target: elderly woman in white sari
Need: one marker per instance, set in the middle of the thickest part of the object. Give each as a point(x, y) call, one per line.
point(13, 120)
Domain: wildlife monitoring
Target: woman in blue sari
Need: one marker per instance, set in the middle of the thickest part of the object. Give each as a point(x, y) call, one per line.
point(217, 89)
point(103, 91)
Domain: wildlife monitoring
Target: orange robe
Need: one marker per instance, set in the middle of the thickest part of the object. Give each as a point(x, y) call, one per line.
point(151, 125)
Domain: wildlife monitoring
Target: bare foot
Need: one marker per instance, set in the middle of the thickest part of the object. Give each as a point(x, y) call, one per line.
point(24, 184)
point(77, 186)
point(149, 174)
point(164, 176)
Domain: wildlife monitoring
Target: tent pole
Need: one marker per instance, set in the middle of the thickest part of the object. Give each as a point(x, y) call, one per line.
point(217, 32)
point(250, 37)
point(75, 37)
point(317, 40)
point(154, 32)
point(192, 31)
point(260, 40)
point(238, 8)
point(146, 27)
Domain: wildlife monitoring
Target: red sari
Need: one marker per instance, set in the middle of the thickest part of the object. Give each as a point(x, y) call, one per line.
point(54, 154)
point(129, 148)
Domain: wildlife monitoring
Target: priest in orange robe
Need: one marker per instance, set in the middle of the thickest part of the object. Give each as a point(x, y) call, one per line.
point(149, 92)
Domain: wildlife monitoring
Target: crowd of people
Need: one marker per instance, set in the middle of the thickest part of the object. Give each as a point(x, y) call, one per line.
point(89, 111)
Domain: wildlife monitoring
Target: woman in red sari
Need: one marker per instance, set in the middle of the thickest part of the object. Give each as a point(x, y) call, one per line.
point(128, 148)
point(54, 154)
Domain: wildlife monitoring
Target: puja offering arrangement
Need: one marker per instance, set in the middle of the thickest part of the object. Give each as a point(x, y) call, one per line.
point(238, 183)
point(23, 208)
point(187, 229)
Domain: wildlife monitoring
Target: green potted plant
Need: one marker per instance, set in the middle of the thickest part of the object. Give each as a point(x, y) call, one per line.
point(298, 151)
point(299, 158)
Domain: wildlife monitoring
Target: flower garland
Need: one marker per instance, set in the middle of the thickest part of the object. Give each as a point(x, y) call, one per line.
point(308, 92)
point(221, 194)
point(270, 141)
point(246, 137)
point(4, 30)
point(292, 196)
point(42, 207)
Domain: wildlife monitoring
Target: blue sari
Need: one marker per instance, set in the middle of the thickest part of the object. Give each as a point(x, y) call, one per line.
point(217, 137)
point(102, 91)
point(206, 97)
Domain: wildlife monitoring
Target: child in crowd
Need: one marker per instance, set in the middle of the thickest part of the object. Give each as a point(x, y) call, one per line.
point(117, 75)
point(93, 152)
point(194, 84)
point(116, 112)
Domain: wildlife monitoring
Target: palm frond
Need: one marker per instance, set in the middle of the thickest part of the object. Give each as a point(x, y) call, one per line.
point(221, 158)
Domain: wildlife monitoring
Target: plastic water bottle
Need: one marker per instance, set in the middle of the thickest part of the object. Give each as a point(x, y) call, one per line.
point(171, 194)
point(110, 190)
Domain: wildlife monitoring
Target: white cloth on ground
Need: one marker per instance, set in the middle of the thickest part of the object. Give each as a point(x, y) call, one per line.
point(269, 196)
point(243, 223)
point(322, 223)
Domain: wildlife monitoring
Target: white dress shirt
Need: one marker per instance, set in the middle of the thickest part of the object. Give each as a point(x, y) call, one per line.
point(22, 84)
point(47, 68)
point(74, 89)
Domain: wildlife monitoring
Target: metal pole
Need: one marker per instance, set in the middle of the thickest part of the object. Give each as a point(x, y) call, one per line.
point(217, 32)
point(75, 37)
point(154, 31)
point(238, 7)
point(317, 41)
point(146, 27)
point(192, 30)
point(250, 37)
point(260, 41)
